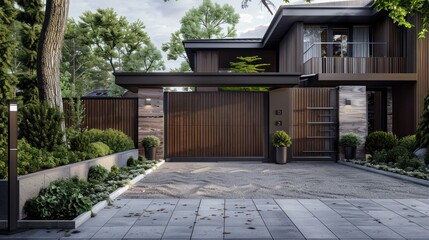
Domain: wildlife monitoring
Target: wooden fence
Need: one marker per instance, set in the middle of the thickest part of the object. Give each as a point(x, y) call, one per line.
point(104, 113)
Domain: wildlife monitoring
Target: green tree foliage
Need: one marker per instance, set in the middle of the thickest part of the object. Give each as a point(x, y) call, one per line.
point(401, 10)
point(41, 125)
point(422, 133)
point(7, 50)
point(30, 17)
point(100, 43)
point(208, 21)
point(250, 64)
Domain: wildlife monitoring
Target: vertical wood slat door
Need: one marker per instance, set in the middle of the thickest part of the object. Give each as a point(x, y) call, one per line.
point(215, 124)
point(315, 123)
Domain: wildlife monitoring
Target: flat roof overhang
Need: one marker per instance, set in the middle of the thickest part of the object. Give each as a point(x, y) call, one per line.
point(135, 80)
point(367, 79)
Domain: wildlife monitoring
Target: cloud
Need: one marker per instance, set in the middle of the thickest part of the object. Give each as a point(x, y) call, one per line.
point(246, 18)
point(256, 32)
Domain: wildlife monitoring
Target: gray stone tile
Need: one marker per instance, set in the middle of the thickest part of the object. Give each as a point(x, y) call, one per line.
point(239, 204)
point(81, 232)
point(188, 205)
point(367, 221)
point(366, 205)
point(414, 232)
point(145, 232)
point(111, 232)
point(257, 232)
point(180, 218)
point(315, 231)
point(416, 205)
point(285, 232)
point(210, 218)
point(152, 222)
point(101, 218)
point(348, 232)
point(178, 232)
point(212, 204)
point(379, 231)
point(305, 221)
point(208, 232)
point(121, 221)
point(37, 234)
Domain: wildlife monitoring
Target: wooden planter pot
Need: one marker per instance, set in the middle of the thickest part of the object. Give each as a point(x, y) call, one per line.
point(150, 153)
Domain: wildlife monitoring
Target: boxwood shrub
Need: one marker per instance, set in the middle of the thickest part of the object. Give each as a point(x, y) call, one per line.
point(101, 149)
point(116, 140)
point(380, 140)
point(408, 142)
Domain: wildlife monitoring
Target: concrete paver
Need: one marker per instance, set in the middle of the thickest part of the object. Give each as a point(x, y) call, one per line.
point(214, 219)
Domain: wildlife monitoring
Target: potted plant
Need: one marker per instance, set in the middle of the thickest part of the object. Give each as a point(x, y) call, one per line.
point(349, 142)
point(281, 141)
point(150, 143)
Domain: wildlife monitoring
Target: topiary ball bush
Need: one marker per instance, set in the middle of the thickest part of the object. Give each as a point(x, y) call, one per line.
point(350, 140)
point(394, 154)
point(380, 140)
point(151, 142)
point(101, 149)
point(116, 140)
point(408, 142)
point(97, 173)
point(81, 143)
point(281, 139)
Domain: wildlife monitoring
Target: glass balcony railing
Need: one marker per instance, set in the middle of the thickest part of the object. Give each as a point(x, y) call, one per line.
point(344, 49)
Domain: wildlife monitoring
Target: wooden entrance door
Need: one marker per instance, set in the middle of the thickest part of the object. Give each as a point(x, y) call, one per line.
point(315, 123)
point(208, 126)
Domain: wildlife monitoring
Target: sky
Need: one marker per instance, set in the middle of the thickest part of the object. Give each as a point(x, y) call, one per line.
point(163, 18)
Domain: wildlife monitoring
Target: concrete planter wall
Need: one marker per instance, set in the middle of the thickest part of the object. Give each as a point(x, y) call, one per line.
point(31, 184)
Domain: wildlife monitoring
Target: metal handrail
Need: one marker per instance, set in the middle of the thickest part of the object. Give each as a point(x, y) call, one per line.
point(346, 43)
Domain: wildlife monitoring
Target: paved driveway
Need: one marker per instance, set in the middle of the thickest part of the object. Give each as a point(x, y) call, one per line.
point(260, 180)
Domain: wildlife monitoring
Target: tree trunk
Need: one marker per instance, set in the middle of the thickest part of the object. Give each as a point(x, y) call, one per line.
point(49, 54)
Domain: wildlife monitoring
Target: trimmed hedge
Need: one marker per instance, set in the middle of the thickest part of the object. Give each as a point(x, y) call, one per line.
point(379, 140)
point(116, 140)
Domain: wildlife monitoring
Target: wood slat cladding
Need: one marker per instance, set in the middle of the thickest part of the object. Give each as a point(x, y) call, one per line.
point(355, 65)
point(291, 49)
point(422, 69)
point(386, 31)
point(314, 122)
point(215, 124)
point(105, 113)
point(207, 61)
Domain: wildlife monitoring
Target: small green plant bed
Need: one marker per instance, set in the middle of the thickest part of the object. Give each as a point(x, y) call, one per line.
point(66, 199)
point(81, 146)
point(422, 173)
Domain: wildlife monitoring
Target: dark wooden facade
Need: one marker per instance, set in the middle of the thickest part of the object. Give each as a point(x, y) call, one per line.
point(215, 125)
point(291, 49)
point(104, 113)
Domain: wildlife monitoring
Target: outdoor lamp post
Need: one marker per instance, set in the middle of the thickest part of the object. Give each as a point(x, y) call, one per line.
point(12, 167)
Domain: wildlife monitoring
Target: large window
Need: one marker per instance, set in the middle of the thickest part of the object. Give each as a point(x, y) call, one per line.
point(332, 41)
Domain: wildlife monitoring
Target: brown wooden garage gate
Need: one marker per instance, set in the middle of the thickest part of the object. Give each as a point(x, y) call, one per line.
point(213, 126)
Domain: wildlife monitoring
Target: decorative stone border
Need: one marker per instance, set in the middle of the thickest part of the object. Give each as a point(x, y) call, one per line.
point(387, 173)
point(82, 218)
point(31, 184)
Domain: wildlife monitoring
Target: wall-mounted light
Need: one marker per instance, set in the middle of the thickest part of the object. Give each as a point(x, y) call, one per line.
point(348, 102)
point(148, 101)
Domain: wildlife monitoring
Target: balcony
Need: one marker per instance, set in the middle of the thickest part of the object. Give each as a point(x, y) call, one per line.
point(351, 58)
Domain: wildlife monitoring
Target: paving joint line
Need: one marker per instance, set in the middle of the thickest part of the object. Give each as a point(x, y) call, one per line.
point(195, 220)
point(263, 220)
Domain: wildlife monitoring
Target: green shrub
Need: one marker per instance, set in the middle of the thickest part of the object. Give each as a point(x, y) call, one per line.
point(97, 173)
point(408, 142)
point(101, 149)
point(60, 200)
point(409, 164)
point(398, 152)
point(350, 140)
point(3, 169)
point(81, 143)
point(142, 158)
point(380, 140)
point(379, 157)
point(281, 139)
point(116, 140)
point(114, 169)
point(151, 142)
point(32, 159)
point(132, 162)
point(41, 125)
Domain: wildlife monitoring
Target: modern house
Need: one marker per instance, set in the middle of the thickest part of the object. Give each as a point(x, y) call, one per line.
point(334, 68)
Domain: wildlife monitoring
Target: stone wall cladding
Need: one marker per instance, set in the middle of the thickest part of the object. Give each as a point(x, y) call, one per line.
point(353, 118)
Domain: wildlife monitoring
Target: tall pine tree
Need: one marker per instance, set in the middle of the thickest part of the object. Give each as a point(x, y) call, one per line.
point(30, 16)
point(7, 49)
